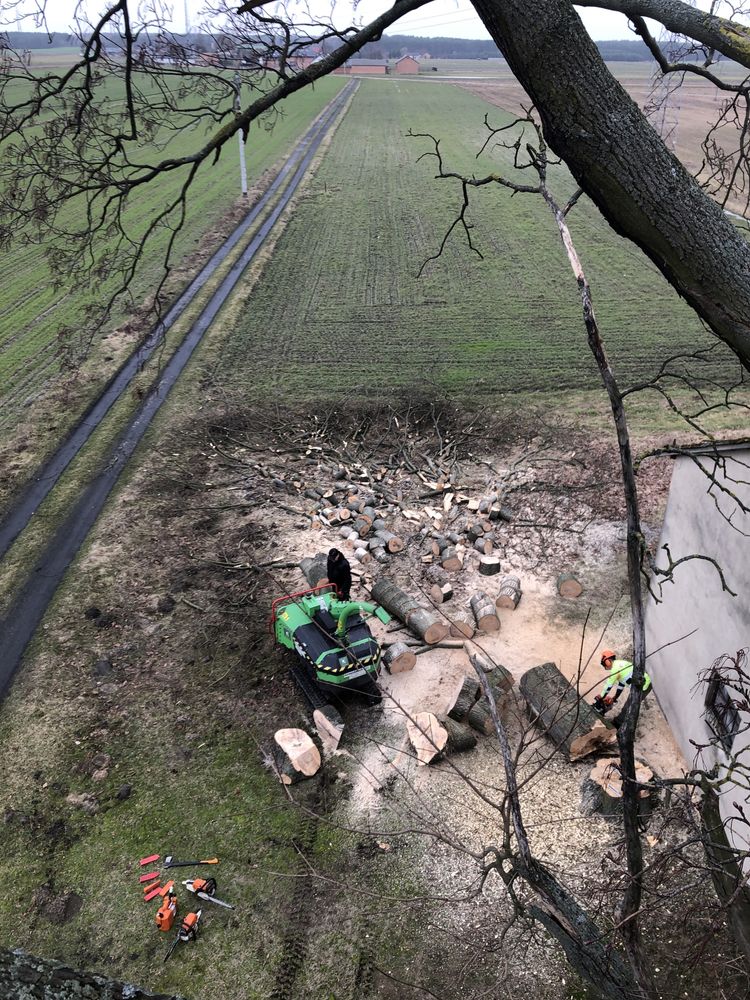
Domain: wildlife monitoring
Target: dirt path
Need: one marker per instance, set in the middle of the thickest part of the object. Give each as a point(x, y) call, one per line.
point(27, 610)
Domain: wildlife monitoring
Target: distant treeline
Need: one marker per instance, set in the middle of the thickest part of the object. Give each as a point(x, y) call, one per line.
point(393, 46)
point(389, 47)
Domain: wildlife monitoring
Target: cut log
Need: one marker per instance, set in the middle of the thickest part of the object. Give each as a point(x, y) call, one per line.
point(474, 531)
point(483, 545)
point(489, 565)
point(440, 594)
point(362, 526)
point(460, 737)
point(450, 560)
point(480, 718)
point(499, 677)
point(568, 585)
point(605, 775)
point(329, 726)
point(378, 524)
point(483, 609)
point(427, 736)
point(379, 554)
point(466, 694)
point(315, 568)
point(295, 756)
point(500, 513)
point(569, 721)
point(510, 593)
point(462, 625)
point(424, 623)
point(390, 541)
point(399, 658)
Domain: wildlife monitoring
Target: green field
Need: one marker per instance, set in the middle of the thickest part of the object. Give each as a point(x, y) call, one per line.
point(341, 306)
point(33, 310)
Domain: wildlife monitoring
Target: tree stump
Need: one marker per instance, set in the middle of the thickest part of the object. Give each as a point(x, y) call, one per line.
point(483, 609)
point(605, 776)
point(568, 585)
point(295, 756)
point(569, 721)
point(329, 726)
point(465, 696)
point(489, 565)
point(398, 658)
point(421, 621)
point(509, 594)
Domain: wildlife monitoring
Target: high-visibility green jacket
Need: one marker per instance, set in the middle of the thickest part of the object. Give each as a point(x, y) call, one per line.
point(620, 674)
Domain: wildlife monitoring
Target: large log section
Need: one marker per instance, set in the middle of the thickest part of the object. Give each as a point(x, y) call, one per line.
point(569, 721)
point(407, 609)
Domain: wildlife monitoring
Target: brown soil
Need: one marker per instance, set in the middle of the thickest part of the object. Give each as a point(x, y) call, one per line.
point(213, 520)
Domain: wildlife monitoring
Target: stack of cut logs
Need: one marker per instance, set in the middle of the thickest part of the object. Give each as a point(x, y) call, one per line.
point(434, 737)
point(360, 519)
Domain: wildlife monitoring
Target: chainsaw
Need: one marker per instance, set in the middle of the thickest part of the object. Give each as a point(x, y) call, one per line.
point(188, 931)
point(205, 888)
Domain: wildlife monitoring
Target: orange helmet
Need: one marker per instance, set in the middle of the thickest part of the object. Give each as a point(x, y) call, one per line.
point(608, 654)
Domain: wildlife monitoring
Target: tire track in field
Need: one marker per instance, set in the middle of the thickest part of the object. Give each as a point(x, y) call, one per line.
point(47, 476)
point(30, 603)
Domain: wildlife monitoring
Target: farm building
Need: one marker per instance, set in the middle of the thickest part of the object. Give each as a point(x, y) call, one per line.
point(696, 627)
point(407, 64)
point(364, 67)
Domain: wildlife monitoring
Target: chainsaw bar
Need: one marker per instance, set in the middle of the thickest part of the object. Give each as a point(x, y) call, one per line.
point(213, 899)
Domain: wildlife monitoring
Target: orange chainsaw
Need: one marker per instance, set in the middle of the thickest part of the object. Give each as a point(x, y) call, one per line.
point(205, 888)
point(188, 931)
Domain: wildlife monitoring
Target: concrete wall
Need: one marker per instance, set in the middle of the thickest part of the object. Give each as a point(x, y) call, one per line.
point(695, 601)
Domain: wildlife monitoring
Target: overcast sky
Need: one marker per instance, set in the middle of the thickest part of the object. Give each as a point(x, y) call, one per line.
point(447, 18)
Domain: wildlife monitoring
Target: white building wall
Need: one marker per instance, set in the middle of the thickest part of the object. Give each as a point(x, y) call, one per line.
point(694, 602)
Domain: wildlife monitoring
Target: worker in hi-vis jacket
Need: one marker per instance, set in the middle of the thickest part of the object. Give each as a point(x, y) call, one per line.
point(620, 676)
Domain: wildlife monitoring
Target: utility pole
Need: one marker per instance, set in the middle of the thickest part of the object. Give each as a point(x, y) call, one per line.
point(237, 108)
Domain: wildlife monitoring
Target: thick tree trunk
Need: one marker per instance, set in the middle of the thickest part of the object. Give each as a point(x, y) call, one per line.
point(315, 568)
point(619, 160)
point(570, 722)
point(24, 975)
point(407, 609)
